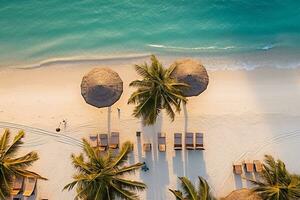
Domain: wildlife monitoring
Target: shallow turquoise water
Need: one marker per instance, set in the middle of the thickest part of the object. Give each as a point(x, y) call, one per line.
point(33, 31)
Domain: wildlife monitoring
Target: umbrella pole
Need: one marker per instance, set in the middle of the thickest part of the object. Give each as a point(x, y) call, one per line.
point(108, 120)
point(186, 117)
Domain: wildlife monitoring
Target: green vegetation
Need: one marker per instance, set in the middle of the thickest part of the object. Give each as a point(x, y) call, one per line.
point(156, 91)
point(276, 183)
point(10, 165)
point(189, 191)
point(100, 176)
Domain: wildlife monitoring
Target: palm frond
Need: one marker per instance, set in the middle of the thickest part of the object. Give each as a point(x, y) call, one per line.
point(104, 181)
point(23, 161)
point(122, 156)
point(129, 184)
point(276, 182)
point(123, 193)
point(188, 188)
point(204, 190)
point(15, 145)
point(4, 141)
point(129, 169)
point(156, 89)
point(177, 194)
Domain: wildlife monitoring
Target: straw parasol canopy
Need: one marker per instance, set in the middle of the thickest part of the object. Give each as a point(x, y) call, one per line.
point(192, 73)
point(101, 87)
point(244, 194)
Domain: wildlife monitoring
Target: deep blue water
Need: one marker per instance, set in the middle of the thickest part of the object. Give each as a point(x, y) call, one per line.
point(33, 31)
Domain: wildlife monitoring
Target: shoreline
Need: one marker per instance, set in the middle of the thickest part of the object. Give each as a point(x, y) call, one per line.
point(272, 58)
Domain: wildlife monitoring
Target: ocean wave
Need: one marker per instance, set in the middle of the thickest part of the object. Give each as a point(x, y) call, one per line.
point(267, 47)
point(191, 48)
point(211, 48)
point(79, 60)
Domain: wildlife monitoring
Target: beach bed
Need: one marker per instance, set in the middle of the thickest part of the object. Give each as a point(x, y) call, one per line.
point(17, 185)
point(189, 141)
point(237, 168)
point(161, 142)
point(103, 142)
point(93, 140)
point(258, 166)
point(147, 147)
point(199, 141)
point(114, 140)
point(249, 166)
point(30, 184)
point(177, 141)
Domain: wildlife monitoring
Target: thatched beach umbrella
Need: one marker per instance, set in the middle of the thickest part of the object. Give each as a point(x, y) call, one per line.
point(192, 73)
point(244, 194)
point(101, 87)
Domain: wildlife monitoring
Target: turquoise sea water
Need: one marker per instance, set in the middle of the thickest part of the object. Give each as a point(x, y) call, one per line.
point(250, 31)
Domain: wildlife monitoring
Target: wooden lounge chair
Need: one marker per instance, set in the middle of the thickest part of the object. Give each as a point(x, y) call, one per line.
point(103, 142)
point(249, 166)
point(199, 141)
point(114, 140)
point(189, 141)
point(147, 147)
point(258, 166)
point(161, 142)
point(93, 140)
point(30, 184)
point(177, 141)
point(238, 169)
point(17, 185)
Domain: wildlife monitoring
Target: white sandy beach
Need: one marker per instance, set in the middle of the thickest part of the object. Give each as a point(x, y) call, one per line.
point(243, 115)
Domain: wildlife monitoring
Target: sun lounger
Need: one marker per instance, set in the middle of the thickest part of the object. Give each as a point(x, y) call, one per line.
point(258, 166)
point(114, 140)
point(177, 141)
point(147, 147)
point(30, 184)
point(249, 166)
point(238, 169)
point(199, 141)
point(189, 141)
point(17, 185)
point(103, 142)
point(93, 140)
point(161, 142)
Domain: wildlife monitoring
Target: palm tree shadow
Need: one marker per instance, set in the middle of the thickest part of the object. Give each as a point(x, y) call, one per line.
point(178, 163)
point(194, 163)
point(157, 177)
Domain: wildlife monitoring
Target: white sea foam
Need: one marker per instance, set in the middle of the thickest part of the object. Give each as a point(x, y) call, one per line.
point(191, 48)
point(80, 59)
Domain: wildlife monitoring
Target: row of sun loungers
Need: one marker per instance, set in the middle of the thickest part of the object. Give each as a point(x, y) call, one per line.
point(102, 142)
point(26, 186)
point(189, 142)
point(192, 141)
point(255, 166)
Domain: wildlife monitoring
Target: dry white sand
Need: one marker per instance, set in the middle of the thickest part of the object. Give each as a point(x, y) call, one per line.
point(243, 114)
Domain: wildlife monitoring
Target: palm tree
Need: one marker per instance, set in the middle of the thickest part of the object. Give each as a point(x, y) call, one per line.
point(156, 91)
point(10, 165)
point(275, 182)
point(101, 176)
point(190, 192)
